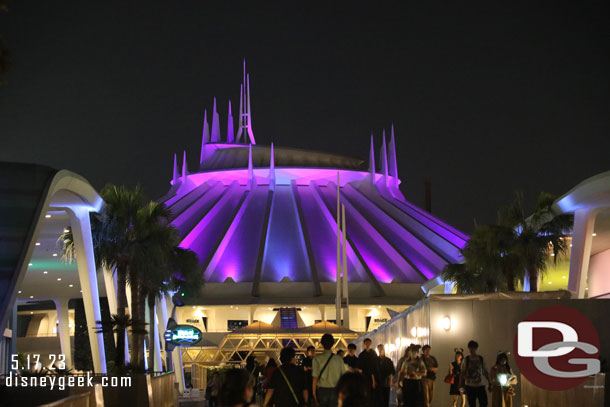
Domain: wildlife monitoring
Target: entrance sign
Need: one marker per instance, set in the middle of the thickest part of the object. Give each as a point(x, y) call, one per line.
point(181, 335)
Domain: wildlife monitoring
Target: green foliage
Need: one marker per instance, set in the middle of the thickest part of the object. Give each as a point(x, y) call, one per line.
point(497, 256)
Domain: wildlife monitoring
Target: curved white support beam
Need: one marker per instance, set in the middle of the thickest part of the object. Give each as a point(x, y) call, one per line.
point(63, 329)
point(83, 247)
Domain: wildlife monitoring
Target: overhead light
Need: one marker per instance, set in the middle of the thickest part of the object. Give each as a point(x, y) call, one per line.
point(47, 216)
point(18, 292)
point(31, 313)
point(54, 254)
point(30, 264)
point(81, 291)
point(563, 276)
point(37, 243)
point(45, 272)
point(586, 288)
point(59, 279)
point(550, 282)
point(552, 254)
point(71, 285)
point(31, 296)
point(594, 234)
point(66, 230)
point(570, 244)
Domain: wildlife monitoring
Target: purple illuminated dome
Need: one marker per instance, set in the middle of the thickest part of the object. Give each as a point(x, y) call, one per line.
point(258, 215)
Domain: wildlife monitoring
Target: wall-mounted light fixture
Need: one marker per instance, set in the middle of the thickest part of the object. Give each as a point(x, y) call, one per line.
point(446, 323)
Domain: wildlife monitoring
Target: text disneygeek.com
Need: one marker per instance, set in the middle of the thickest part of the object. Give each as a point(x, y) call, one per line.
point(61, 382)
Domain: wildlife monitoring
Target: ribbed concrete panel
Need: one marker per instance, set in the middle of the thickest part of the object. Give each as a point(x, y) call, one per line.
point(384, 261)
point(323, 239)
point(206, 235)
point(285, 252)
point(237, 254)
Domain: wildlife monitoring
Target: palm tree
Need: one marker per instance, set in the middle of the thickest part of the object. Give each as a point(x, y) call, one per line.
point(154, 240)
point(113, 240)
point(488, 263)
point(537, 235)
point(181, 270)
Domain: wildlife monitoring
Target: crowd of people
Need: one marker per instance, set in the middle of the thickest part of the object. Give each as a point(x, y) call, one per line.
point(365, 380)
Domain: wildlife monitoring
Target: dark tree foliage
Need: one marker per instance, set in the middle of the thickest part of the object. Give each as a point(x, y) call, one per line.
point(5, 56)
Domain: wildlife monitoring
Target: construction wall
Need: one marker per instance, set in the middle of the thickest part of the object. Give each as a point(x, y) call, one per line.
point(493, 324)
point(491, 320)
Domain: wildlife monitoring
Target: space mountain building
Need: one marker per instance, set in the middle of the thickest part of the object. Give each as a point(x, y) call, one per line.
point(263, 223)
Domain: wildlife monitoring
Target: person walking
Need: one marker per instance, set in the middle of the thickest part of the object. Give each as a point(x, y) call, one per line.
point(397, 379)
point(254, 369)
point(370, 367)
point(213, 389)
point(287, 387)
point(384, 380)
point(455, 371)
point(351, 390)
point(327, 369)
point(502, 380)
point(269, 369)
point(431, 368)
point(471, 378)
point(307, 368)
point(237, 388)
point(411, 373)
point(351, 360)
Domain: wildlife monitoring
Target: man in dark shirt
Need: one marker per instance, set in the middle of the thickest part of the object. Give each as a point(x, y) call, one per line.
point(370, 368)
point(351, 360)
point(287, 386)
point(307, 366)
point(431, 368)
point(386, 372)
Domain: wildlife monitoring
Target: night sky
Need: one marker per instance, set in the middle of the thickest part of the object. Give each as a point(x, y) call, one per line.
point(485, 99)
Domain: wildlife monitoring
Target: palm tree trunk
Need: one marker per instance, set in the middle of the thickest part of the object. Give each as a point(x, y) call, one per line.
point(510, 284)
point(151, 333)
point(533, 277)
point(119, 357)
point(142, 294)
point(137, 338)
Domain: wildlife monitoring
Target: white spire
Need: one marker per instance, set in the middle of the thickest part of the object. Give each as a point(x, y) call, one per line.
point(272, 170)
point(215, 137)
point(251, 179)
point(392, 158)
point(383, 157)
point(184, 166)
point(205, 137)
point(245, 113)
point(175, 173)
point(372, 161)
point(230, 131)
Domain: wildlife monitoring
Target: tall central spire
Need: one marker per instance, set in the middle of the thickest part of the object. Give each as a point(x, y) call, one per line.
point(245, 114)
